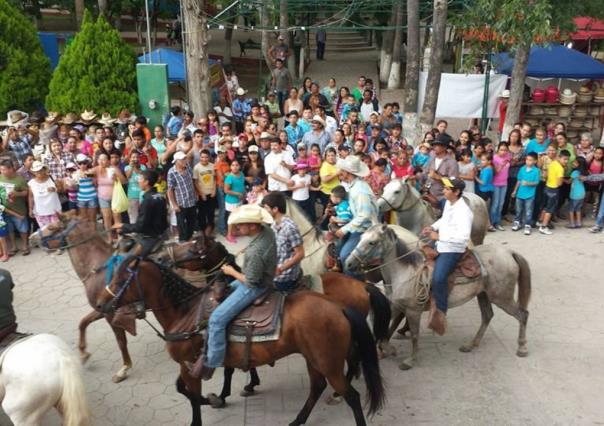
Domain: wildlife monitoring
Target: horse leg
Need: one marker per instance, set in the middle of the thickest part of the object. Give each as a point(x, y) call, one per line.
point(219, 401)
point(317, 386)
point(486, 312)
point(122, 342)
point(351, 396)
point(191, 388)
point(254, 381)
point(413, 318)
point(353, 370)
point(521, 315)
point(385, 348)
point(84, 323)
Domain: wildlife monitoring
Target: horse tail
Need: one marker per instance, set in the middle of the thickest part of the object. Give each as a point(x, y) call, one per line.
point(380, 306)
point(367, 352)
point(73, 403)
point(524, 280)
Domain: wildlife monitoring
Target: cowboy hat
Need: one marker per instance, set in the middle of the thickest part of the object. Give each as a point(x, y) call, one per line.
point(124, 117)
point(353, 165)
point(240, 91)
point(52, 117)
point(15, 118)
point(106, 119)
point(47, 133)
point(250, 213)
point(318, 119)
point(505, 94)
point(265, 135)
point(37, 166)
point(87, 116)
point(568, 97)
point(70, 118)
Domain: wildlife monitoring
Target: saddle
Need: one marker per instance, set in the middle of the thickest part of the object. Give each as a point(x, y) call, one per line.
point(9, 335)
point(468, 269)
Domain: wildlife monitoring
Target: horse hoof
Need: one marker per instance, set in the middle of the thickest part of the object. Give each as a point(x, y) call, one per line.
point(119, 378)
point(386, 350)
point(333, 400)
point(466, 348)
point(247, 392)
point(406, 365)
point(84, 357)
point(216, 401)
point(522, 352)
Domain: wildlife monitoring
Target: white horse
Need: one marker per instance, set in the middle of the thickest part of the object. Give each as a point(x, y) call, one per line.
point(403, 268)
point(414, 214)
point(38, 373)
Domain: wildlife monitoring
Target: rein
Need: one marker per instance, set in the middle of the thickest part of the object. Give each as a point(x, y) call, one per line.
point(401, 208)
point(62, 238)
point(396, 259)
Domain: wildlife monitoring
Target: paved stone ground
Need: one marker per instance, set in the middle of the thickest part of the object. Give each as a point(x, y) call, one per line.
point(557, 384)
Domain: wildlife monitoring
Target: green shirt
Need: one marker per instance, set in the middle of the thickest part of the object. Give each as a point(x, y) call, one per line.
point(260, 259)
point(16, 183)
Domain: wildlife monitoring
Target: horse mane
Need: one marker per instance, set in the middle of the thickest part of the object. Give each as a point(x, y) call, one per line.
point(297, 215)
point(403, 252)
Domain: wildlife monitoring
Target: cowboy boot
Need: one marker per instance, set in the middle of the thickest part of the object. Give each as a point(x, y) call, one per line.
point(437, 320)
point(198, 370)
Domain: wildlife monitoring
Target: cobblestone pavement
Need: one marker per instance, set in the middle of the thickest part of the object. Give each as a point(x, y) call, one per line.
point(559, 383)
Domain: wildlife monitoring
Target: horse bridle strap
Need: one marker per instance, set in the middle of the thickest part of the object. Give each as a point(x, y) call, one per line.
point(62, 238)
point(401, 208)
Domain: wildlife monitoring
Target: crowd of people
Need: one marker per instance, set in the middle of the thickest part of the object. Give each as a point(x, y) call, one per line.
point(291, 143)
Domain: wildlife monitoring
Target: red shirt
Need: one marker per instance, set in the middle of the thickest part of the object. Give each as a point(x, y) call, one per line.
point(143, 158)
point(402, 171)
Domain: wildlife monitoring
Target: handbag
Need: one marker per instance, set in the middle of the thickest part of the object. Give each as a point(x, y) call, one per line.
point(119, 199)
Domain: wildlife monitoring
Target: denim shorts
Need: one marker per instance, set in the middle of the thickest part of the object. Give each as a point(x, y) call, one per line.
point(14, 223)
point(88, 204)
point(3, 231)
point(551, 199)
point(574, 206)
point(104, 204)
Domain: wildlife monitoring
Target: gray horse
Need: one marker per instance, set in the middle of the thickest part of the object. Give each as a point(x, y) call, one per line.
point(402, 266)
point(414, 214)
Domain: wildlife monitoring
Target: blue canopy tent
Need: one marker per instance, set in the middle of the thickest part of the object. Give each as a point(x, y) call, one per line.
point(173, 58)
point(554, 61)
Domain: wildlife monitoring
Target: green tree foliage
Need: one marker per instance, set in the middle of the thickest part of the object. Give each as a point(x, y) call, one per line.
point(24, 68)
point(96, 72)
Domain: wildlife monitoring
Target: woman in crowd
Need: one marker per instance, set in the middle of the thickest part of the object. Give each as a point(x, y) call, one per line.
point(133, 171)
point(106, 176)
point(304, 91)
point(517, 161)
point(87, 195)
point(159, 141)
point(44, 203)
point(340, 101)
point(293, 103)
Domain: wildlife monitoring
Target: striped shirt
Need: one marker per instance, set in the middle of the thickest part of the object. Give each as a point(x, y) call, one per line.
point(86, 189)
point(182, 184)
point(362, 205)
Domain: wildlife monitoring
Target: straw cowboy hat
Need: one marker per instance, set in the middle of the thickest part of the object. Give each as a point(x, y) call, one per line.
point(125, 117)
point(250, 213)
point(15, 118)
point(318, 119)
point(564, 111)
point(599, 95)
point(87, 117)
point(240, 91)
point(70, 118)
point(580, 111)
point(585, 95)
point(352, 164)
point(568, 97)
point(37, 166)
point(106, 119)
point(52, 117)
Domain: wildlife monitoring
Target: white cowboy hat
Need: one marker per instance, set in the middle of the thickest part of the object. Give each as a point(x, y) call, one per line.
point(568, 97)
point(352, 164)
point(179, 156)
point(15, 118)
point(37, 166)
point(265, 135)
point(106, 119)
point(250, 213)
point(69, 118)
point(505, 94)
point(88, 116)
point(318, 119)
point(241, 91)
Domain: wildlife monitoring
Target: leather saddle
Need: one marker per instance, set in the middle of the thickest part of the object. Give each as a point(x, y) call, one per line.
point(469, 267)
point(10, 335)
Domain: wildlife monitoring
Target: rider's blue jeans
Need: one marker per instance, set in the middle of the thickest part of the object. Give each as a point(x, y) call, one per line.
point(222, 226)
point(443, 266)
point(600, 216)
point(238, 300)
point(349, 242)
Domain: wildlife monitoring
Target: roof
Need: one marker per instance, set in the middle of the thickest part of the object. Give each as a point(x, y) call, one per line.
point(553, 61)
point(588, 28)
point(173, 58)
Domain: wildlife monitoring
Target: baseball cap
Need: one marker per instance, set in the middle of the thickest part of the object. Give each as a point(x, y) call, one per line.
point(179, 156)
point(252, 148)
point(453, 183)
point(221, 148)
point(81, 158)
point(301, 146)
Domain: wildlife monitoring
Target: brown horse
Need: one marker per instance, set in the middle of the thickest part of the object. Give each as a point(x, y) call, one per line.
point(326, 334)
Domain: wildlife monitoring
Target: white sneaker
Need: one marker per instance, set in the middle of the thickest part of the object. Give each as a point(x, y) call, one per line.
point(595, 229)
point(499, 227)
point(516, 226)
point(545, 231)
point(527, 230)
point(538, 224)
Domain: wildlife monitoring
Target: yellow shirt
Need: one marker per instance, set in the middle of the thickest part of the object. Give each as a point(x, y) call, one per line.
point(555, 172)
point(326, 170)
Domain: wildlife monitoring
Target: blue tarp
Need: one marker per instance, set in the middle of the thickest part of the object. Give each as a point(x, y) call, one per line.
point(554, 61)
point(50, 45)
point(174, 60)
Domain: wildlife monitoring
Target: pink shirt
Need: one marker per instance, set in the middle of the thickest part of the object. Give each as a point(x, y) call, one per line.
point(501, 176)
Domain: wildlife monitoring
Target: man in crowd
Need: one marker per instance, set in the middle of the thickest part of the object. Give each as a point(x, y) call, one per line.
point(16, 211)
point(182, 196)
point(278, 166)
point(439, 166)
point(318, 135)
point(281, 82)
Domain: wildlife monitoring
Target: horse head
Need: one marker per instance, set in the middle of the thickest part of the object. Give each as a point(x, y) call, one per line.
point(394, 195)
point(372, 249)
point(59, 234)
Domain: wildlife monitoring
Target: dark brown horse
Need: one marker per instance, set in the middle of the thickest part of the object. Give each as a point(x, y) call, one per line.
point(325, 333)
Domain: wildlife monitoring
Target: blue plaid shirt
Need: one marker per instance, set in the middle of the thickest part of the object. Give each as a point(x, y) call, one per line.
point(294, 134)
point(21, 148)
point(362, 205)
point(288, 238)
point(182, 184)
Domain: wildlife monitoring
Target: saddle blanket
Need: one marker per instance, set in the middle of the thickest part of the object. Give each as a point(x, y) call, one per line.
point(468, 269)
point(259, 322)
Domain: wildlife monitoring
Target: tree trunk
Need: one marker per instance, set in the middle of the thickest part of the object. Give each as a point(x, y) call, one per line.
point(79, 12)
point(197, 56)
point(386, 49)
point(439, 26)
point(228, 38)
point(411, 128)
point(264, 40)
point(512, 114)
point(103, 7)
point(394, 80)
point(289, 37)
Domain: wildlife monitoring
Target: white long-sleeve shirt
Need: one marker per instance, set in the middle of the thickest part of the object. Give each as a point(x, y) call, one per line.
point(454, 227)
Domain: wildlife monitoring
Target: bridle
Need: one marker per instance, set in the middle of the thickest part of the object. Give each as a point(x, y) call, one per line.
point(375, 263)
point(402, 207)
point(139, 305)
point(61, 237)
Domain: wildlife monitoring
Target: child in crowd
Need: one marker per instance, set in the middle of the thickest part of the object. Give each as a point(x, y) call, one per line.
point(595, 167)
point(350, 104)
point(314, 165)
point(402, 166)
point(553, 182)
point(340, 215)
point(524, 192)
point(213, 124)
point(378, 178)
point(300, 186)
point(257, 193)
point(71, 186)
point(302, 155)
point(577, 193)
point(501, 165)
point(477, 152)
point(467, 170)
point(396, 111)
point(485, 179)
point(234, 190)
point(221, 166)
point(422, 157)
